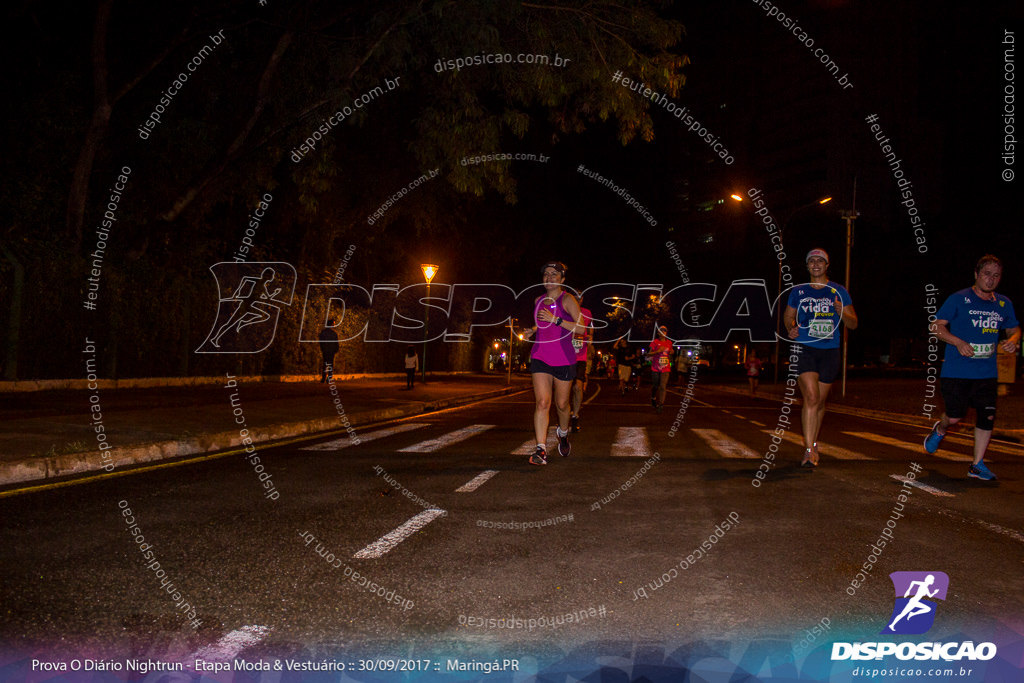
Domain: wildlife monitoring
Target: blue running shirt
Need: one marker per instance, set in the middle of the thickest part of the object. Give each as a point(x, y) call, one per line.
point(816, 314)
point(977, 322)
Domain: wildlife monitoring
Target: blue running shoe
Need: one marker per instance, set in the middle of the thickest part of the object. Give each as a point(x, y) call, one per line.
point(932, 441)
point(979, 471)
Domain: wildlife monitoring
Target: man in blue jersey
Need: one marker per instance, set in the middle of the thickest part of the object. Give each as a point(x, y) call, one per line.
point(813, 313)
point(969, 322)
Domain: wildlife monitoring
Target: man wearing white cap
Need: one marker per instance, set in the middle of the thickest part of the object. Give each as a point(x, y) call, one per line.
point(812, 318)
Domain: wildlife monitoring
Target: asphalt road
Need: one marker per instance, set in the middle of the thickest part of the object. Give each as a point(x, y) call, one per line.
point(282, 577)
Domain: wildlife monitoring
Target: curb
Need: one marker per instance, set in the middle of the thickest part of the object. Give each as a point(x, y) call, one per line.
point(1011, 435)
point(36, 469)
point(32, 385)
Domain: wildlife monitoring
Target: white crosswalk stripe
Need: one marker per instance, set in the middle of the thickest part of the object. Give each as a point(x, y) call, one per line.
point(631, 442)
point(445, 440)
point(474, 483)
point(916, 448)
point(385, 543)
point(825, 448)
point(726, 446)
point(345, 442)
point(230, 644)
point(924, 487)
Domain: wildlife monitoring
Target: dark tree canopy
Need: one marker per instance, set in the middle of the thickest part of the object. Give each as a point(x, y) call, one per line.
point(260, 81)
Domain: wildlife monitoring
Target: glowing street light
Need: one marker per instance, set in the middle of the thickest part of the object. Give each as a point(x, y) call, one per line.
point(429, 271)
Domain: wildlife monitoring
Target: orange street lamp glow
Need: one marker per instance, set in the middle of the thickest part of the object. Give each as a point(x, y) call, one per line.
point(429, 271)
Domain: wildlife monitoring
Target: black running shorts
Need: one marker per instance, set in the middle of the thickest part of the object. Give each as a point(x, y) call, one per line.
point(825, 362)
point(980, 394)
point(565, 373)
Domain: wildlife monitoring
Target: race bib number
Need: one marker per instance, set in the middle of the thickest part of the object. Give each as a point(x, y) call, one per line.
point(983, 350)
point(577, 344)
point(663, 361)
point(821, 328)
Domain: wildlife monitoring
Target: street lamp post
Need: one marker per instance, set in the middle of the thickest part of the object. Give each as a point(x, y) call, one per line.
point(429, 271)
point(848, 216)
point(511, 347)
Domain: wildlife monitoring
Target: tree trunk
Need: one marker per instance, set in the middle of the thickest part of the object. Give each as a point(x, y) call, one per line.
point(98, 127)
point(14, 328)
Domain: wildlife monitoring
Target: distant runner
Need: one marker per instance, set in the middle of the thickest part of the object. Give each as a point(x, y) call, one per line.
point(660, 356)
point(581, 343)
point(623, 362)
point(969, 322)
point(753, 366)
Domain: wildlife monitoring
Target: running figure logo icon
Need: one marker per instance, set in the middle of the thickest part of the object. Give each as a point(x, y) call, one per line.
point(913, 612)
point(249, 304)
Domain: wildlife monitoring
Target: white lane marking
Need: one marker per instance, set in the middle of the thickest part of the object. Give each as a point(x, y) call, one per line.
point(924, 487)
point(916, 448)
point(993, 447)
point(385, 543)
point(529, 446)
point(1002, 530)
point(724, 445)
point(1015, 535)
point(827, 449)
point(444, 440)
point(345, 442)
point(228, 647)
point(693, 399)
point(631, 442)
point(474, 483)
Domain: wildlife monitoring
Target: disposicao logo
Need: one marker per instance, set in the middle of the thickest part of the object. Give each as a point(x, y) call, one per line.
point(914, 613)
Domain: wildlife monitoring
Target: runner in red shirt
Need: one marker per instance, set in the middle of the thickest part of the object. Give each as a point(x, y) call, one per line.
point(660, 356)
point(580, 342)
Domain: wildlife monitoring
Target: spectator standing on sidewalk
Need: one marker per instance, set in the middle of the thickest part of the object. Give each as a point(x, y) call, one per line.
point(328, 348)
point(969, 322)
point(412, 364)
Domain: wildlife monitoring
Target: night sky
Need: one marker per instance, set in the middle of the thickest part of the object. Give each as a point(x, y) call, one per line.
point(934, 74)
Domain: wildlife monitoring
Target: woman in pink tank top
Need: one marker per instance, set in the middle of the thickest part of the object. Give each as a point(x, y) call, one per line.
point(553, 362)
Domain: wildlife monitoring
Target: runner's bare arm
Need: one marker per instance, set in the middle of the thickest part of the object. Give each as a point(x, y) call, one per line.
point(940, 328)
point(572, 307)
point(1011, 343)
point(789, 318)
point(848, 315)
